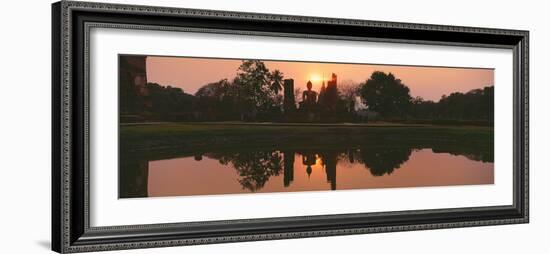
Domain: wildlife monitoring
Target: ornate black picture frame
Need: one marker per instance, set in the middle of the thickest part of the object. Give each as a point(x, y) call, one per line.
point(71, 231)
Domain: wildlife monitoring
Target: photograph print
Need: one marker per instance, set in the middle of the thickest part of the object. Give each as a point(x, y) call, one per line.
point(214, 126)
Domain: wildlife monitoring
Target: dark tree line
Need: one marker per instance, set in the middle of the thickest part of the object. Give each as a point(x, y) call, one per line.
point(169, 99)
point(387, 95)
point(477, 104)
point(255, 94)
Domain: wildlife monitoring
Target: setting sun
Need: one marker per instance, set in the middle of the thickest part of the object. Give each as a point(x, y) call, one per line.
point(315, 78)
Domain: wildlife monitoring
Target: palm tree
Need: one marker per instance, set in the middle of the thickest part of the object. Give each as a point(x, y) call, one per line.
point(277, 78)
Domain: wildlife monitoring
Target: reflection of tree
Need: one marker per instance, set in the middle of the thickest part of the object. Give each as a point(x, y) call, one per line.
point(254, 168)
point(385, 160)
point(477, 153)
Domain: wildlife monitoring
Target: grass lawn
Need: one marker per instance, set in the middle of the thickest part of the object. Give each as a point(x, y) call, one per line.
point(189, 137)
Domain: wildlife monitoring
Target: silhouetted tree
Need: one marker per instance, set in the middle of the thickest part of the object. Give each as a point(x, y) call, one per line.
point(255, 86)
point(218, 100)
point(169, 101)
point(385, 94)
point(349, 91)
point(423, 109)
point(277, 80)
point(253, 79)
point(217, 89)
point(488, 102)
point(477, 104)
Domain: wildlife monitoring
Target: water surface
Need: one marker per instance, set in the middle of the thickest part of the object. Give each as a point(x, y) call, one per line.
point(291, 170)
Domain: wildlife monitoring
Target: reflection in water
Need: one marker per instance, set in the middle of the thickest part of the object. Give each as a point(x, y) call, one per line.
point(254, 168)
point(300, 170)
point(383, 161)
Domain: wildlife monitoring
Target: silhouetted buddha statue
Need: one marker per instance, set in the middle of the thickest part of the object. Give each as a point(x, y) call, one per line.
point(309, 97)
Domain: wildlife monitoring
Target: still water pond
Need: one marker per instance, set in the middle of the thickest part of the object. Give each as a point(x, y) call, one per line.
point(300, 170)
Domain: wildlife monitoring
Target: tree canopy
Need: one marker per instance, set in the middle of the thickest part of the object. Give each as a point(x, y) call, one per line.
point(477, 104)
point(385, 94)
point(258, 87)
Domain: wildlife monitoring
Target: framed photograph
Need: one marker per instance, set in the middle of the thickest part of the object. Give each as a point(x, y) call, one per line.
point(181, 126)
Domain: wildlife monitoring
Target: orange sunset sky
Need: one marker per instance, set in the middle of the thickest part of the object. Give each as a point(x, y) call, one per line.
point(427, 82)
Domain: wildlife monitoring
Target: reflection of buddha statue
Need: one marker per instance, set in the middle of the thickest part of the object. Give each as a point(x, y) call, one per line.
point(309, 160)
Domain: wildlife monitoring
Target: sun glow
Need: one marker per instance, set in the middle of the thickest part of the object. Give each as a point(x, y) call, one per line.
point(315, 78)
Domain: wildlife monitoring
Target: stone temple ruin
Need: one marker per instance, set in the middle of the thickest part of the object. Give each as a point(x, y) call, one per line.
point(313, 105)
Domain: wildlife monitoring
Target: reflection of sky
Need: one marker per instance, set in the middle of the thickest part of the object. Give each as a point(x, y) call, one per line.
point(185, 176)
point(428, 82)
